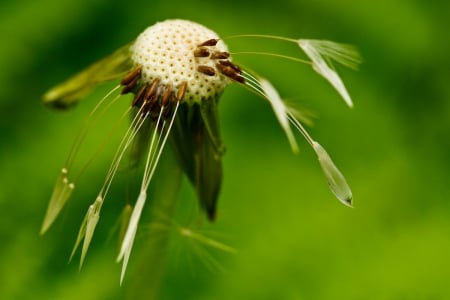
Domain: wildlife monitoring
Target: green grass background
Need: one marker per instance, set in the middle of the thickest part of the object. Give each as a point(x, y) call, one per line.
point(294, 239)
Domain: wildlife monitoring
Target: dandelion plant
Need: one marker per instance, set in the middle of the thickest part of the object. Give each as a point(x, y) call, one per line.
point(176, 71)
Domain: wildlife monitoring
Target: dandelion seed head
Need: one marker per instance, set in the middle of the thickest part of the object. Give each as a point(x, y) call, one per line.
point(167, 51)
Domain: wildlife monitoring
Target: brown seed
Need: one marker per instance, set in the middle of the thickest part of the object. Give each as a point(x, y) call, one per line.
point(168, 110)
point(155, 96)
point(151, 97)
point(139, 97)
point(131, 76)
point(166, 96)
point(145, 109)
point(230, 64)
point(151, 90)
point(131, 85)
point(150, 105)
point(220, 55)
point(231, 73)
point(210, 42)
point(201, 52)
point(206, 70)
point(181, 91)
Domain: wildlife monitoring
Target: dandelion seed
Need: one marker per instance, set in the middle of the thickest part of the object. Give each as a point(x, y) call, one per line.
point(176, 71)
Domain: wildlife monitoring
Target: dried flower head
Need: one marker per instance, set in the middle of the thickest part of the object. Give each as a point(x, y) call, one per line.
point(176, 71)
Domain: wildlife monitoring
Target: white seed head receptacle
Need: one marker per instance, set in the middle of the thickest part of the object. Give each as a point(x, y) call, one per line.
point(165, 51)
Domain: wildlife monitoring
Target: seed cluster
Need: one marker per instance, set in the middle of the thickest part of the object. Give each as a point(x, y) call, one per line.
point(225, 66)
point(152, 98)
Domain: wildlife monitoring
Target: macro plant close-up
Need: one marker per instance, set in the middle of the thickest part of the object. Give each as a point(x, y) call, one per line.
point(192, 150)
point(176, 71)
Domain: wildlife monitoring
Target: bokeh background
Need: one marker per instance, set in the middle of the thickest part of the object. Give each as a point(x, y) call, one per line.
point(294, 240)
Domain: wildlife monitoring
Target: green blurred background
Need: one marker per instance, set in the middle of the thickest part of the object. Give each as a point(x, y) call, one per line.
point(294, 239)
